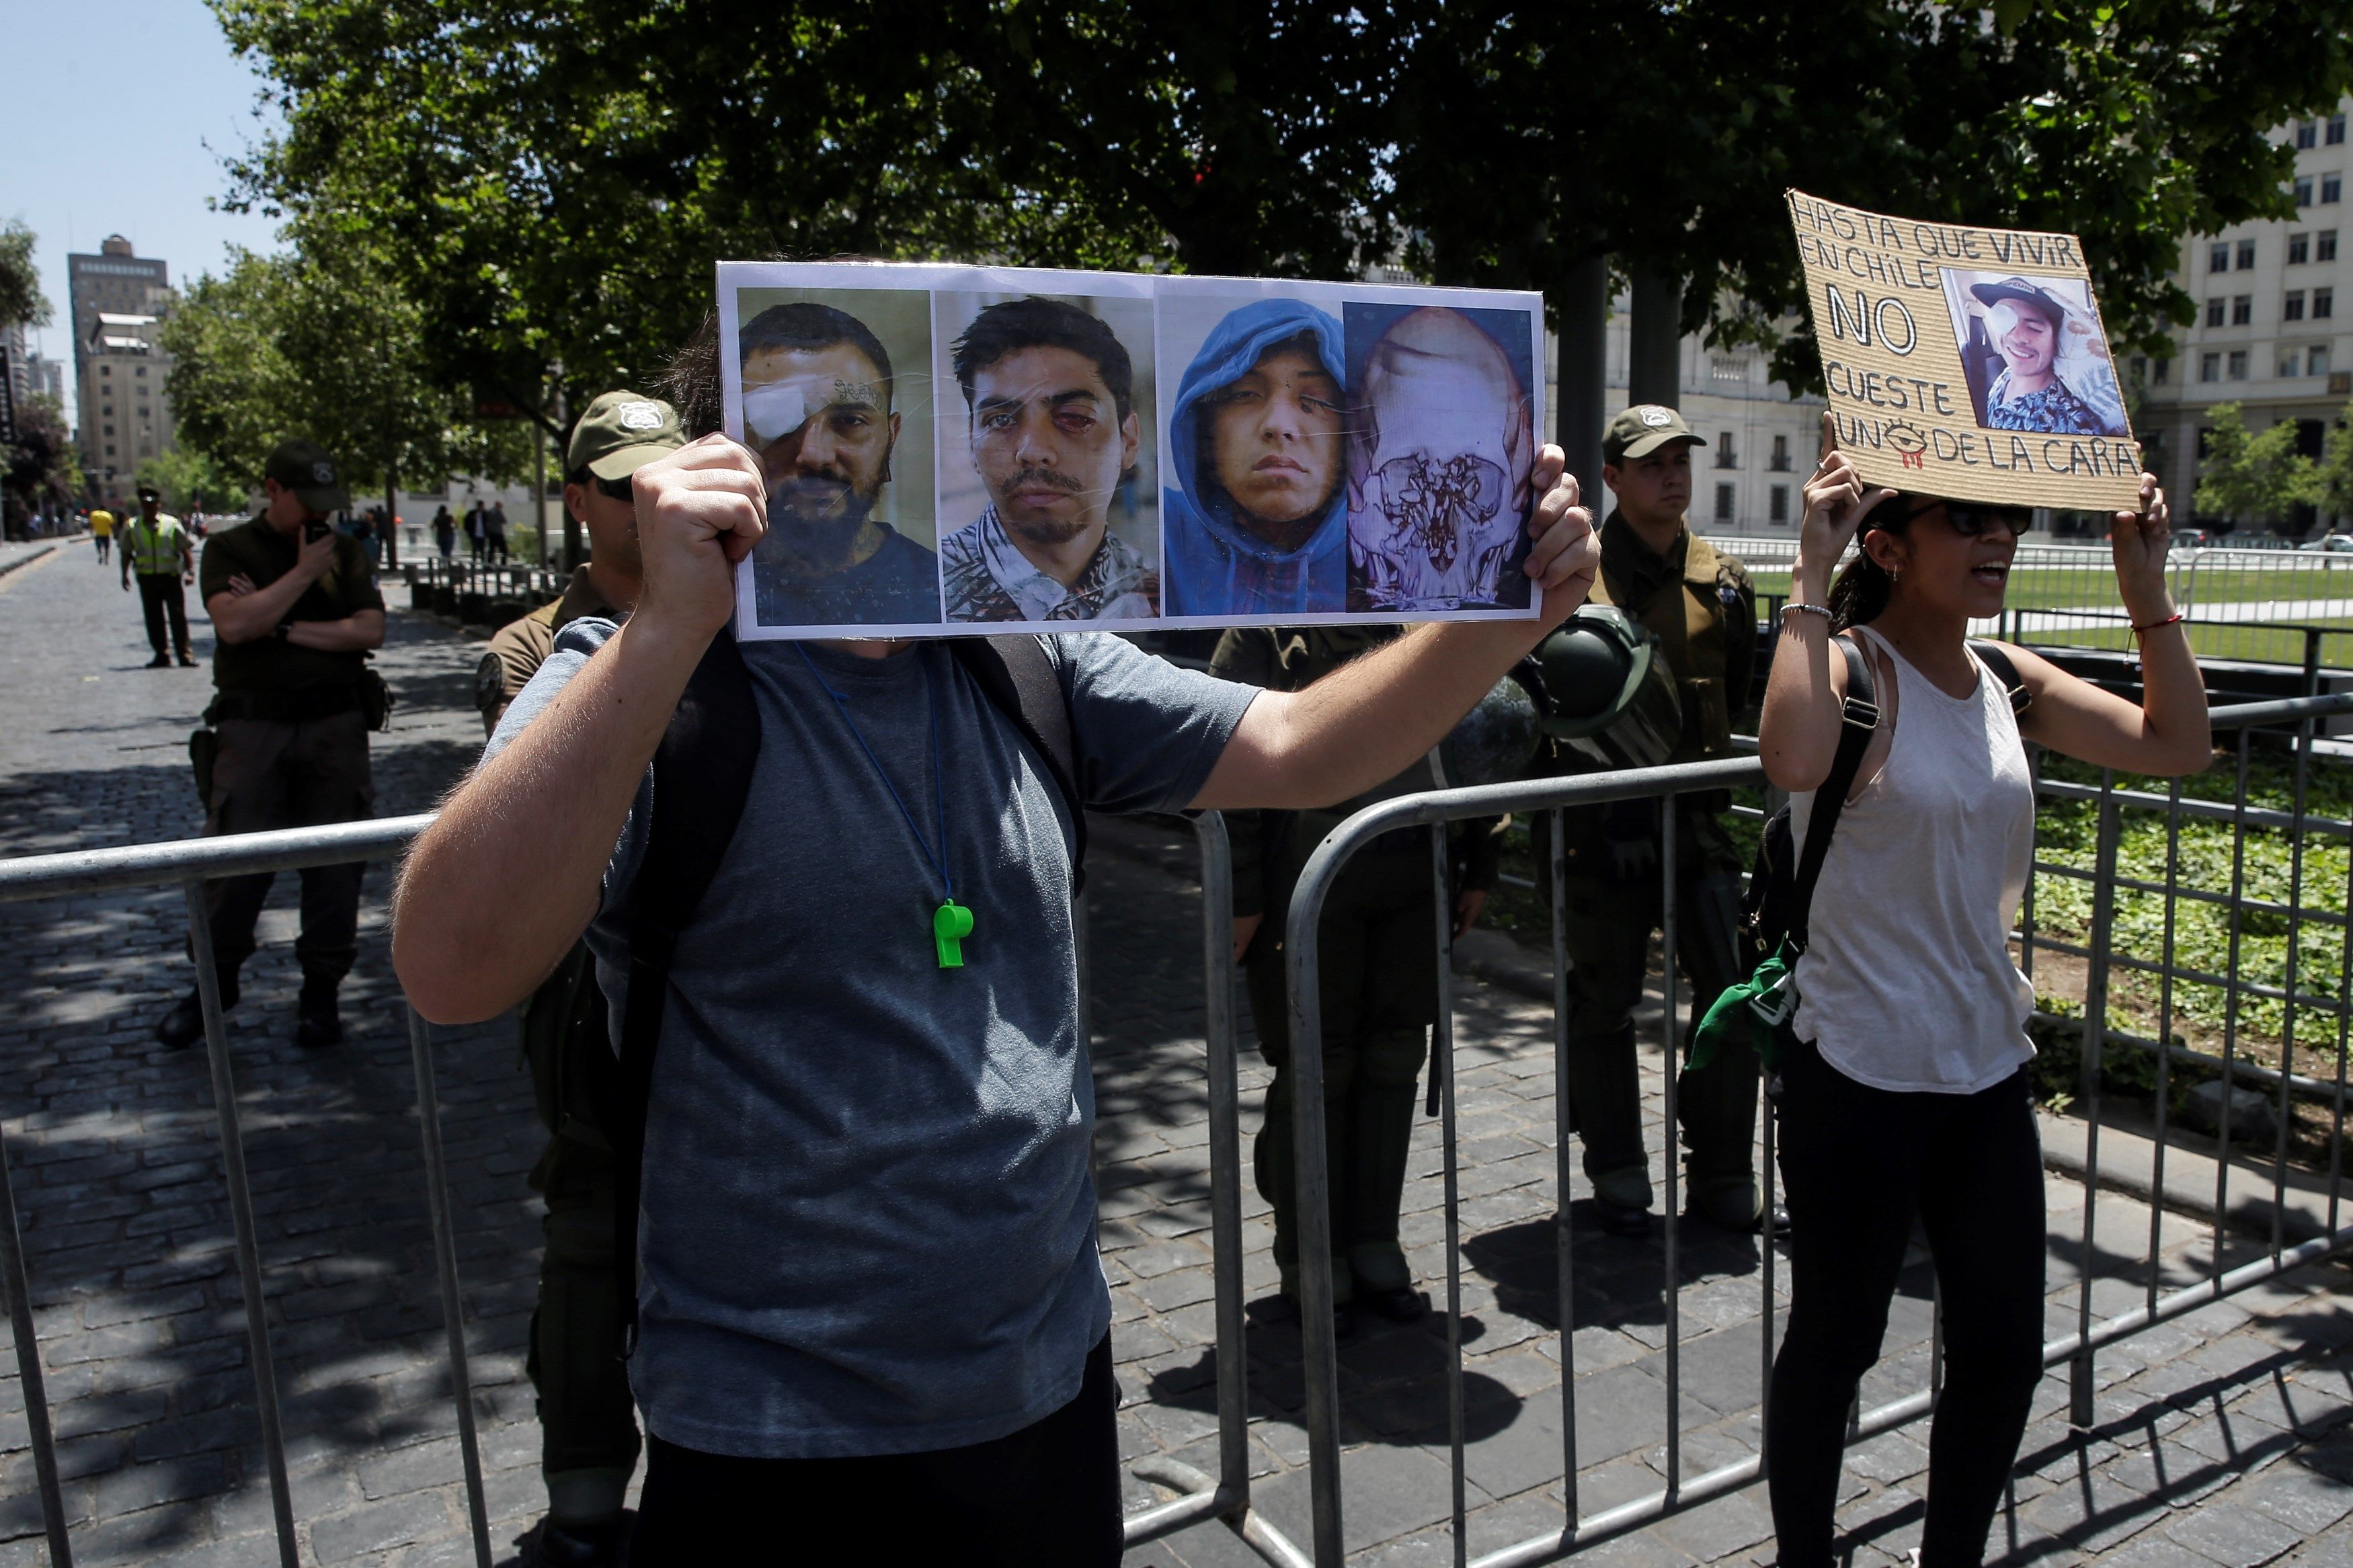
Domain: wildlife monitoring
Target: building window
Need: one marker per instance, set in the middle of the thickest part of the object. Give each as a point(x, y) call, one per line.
point(110, 451)
point(2291, 306)
point(1780, 454)
point(2210, 367)
point(2299, 249)
point(2290, 362)
point(1727, 456)
point(2324, 304)
point(2335, 137)
point(2316, 360)
point(1777, 504)
point(1724, 503)
point(2242, 310)
point(109, 430)
point(2324, 246)
point(2307, 135)
point(106, 370)
point(139, 371)
point(2332, 188)
point(2218, 257)
point(2214, 312)
point(2238, 369)
point(2304, 190)
point(2246, 256)
point(2162, 373)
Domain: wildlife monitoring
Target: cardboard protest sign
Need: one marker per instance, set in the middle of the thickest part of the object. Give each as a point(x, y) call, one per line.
point(1967, 362)
point(972, 450)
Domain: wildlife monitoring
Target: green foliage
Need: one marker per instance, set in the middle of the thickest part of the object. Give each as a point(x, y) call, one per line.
point(192, 481)
point(42, 465)
point(2130, 125)
point(21, 303)
point(2248, 476)
point(323, 343)
point(2334, 476)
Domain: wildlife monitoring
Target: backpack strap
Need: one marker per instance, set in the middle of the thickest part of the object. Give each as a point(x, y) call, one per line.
point(1996, 657)
point(1859, 720)
point(1018, 675)
point(702, 775)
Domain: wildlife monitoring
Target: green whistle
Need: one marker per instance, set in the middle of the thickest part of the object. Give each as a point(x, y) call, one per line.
point(951, 923)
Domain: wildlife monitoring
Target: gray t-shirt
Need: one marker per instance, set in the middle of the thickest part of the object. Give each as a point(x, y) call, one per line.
point(869, 1214)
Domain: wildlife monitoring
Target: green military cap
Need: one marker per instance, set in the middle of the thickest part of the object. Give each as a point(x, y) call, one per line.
point(304, 468)
point(620, 432)
point(1643, 430)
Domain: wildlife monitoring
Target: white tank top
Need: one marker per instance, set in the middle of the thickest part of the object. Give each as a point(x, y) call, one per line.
point(1906, 983)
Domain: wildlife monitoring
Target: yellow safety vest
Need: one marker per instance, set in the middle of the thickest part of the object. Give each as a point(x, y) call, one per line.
point(154, 547)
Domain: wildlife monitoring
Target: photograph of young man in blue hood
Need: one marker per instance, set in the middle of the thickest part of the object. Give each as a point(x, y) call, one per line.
point(1255, 520)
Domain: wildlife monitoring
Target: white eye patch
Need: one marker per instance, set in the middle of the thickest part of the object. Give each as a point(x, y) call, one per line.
point(775, 411)
point(2002, 320)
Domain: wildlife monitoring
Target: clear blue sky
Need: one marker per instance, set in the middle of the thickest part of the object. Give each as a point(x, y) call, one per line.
point(124, 109)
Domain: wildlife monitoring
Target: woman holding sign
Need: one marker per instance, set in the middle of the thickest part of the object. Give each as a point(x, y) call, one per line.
point(1906, 1093)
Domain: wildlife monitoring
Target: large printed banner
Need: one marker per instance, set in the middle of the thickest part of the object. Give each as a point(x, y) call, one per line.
point(955, 449)
point(1967, 362)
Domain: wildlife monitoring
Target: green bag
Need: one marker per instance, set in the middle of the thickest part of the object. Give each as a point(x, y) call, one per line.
point(1756, 1012)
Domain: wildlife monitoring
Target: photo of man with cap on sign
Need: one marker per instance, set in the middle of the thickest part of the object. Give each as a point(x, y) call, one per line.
point(2054, 375)
point(295, 614)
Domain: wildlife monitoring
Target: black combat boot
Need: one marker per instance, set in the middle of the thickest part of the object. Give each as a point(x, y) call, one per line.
point(184, 1025)
point(580, 1545)
point(316, 1021)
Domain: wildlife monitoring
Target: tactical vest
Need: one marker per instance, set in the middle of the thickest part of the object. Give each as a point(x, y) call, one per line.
point(1689, 627)
point(154, 547)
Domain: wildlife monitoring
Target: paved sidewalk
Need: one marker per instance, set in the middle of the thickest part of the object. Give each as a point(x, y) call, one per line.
point(2220, 1440)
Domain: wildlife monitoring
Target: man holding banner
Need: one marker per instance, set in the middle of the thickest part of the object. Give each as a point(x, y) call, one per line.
point(870, 1282)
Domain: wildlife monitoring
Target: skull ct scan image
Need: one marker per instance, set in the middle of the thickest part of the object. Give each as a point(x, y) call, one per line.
point(1441, 443)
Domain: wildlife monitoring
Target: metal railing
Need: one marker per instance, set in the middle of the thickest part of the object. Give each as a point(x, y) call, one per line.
point(1434, 810)
point(191, 863)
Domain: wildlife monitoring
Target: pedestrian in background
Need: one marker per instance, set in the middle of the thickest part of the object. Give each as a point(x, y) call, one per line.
point(494, 523)
point(587, 1422)
point(156, 551)
point(1903, 1088)
point(295, 614)
point(478, 534)
point(445, 533)
point(102, 531)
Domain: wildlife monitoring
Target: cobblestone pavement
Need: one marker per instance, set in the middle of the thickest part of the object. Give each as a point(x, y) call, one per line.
point(2220, 1436)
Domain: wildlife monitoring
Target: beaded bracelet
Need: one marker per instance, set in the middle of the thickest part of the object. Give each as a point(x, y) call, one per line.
point(1822, 610)
point(2139, 630)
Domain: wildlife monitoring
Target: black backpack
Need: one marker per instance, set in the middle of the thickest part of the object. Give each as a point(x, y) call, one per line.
point(702, 773)
point(1780, 897)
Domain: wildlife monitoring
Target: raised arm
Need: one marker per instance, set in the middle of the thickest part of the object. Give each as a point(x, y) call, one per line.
point(240, 617)
point(1365, 720)
point(500, 886)
point(1797, 733)
point(2166, 732)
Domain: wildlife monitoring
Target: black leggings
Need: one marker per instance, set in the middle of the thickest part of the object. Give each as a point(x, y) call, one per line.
point(1045, 1496)
point(1859, 1163)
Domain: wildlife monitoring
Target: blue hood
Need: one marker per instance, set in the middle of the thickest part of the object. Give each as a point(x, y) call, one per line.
point(1214, 568)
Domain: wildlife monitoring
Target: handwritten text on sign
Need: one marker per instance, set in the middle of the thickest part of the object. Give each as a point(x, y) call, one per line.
point(1969, 362)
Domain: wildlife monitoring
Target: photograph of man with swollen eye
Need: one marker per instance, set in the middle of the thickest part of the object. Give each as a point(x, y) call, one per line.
point(846, 545)
point(1256, 514)
point(1057, 437)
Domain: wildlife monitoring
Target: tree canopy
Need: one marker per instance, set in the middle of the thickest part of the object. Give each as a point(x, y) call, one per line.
point(21, 303)
point(2253, 476)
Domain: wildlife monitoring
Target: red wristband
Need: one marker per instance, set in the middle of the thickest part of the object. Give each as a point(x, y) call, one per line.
point(2157, 626)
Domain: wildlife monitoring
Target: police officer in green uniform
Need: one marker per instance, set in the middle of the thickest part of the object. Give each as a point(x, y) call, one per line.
point(295, 614)
point(588, 1431)
point(1379, 980)
point(1699, 614)
point(157, 550)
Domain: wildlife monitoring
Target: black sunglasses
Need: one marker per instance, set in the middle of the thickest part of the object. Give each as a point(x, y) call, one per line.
point(1971, 521)
point(620, 489)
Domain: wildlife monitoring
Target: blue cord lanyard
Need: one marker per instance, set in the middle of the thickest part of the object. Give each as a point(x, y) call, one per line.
point(951, 922)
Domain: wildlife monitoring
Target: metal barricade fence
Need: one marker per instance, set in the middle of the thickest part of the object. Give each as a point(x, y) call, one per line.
point(194, 862)
point(1436, 809)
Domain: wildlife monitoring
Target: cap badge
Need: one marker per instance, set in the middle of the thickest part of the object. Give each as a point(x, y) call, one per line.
point(641, 416)
point(324, 473)
point(1657, 418)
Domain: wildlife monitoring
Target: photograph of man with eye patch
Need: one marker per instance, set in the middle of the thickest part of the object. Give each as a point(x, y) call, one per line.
point(818, 413)
point(1255, 513)
point(1049, 402)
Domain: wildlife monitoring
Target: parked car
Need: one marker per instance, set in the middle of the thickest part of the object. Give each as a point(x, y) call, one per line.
point(2329, 544)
